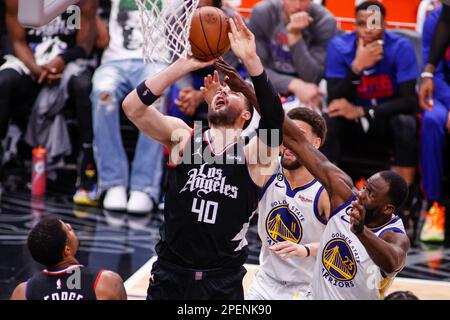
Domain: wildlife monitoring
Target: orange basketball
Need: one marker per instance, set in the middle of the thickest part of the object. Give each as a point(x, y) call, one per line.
point(209, 33)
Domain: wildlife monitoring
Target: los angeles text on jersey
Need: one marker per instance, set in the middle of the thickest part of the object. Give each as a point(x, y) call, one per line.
point(339, 261)
point(210, 180)
point(64, 296)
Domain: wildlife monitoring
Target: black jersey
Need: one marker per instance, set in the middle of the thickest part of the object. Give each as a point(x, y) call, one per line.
point(209, 202)
point(53, 38)
point(72, 283)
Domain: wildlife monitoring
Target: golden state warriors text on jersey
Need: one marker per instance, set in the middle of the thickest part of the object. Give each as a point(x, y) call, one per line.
point(289, 214)
point(345, 270)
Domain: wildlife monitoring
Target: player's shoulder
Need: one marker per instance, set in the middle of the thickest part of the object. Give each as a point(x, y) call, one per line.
point(109, 277)
point(108, 285)
point(19, 292)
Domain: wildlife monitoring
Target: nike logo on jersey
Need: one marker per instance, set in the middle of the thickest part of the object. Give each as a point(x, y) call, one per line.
point(344, 218)
point(278, 185)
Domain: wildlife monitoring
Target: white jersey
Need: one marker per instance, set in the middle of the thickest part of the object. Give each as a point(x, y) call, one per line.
point(289, 215)
point(344, 269)
point(127, 38)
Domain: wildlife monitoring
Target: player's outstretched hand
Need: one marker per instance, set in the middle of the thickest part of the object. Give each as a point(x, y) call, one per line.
point(242, 40)
point(210, 86)
point(288, 249)
point(358, 214)
point(194, 64)
point(232, 77)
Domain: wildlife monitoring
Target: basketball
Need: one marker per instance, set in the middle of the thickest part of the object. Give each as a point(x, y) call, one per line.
point(209, 33)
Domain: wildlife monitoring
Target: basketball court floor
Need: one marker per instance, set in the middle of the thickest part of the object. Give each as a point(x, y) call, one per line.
point(125, 244)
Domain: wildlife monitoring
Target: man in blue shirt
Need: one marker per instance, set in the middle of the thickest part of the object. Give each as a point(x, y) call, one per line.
point(371, 76)
point(435, 122)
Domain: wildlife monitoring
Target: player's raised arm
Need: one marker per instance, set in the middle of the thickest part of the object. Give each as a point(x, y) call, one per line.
point(337, 183)
point(269, 139)
point(138, 104)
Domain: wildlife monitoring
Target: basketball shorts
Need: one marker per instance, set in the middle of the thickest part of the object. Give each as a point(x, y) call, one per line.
point(265, 287)
point(170, 282)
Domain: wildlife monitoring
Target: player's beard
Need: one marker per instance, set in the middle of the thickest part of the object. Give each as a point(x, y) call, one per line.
point(371, 215)
point(290, 165)
point(224, 117)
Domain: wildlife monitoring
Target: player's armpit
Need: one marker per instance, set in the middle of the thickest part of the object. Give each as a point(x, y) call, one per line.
point(324, 205)
point(19, 292)
point(110, 287)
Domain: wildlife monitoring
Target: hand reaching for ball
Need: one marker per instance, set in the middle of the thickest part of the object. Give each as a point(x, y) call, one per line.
point(210, 86)
point(241, 38)
point(243, 44)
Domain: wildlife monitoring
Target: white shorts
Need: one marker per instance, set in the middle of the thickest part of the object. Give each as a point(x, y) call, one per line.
point(266, 288)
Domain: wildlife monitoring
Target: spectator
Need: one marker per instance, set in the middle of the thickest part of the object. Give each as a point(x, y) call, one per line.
point(371, 77)
point(291, 39)
point(121, 70)
point(54, 244)
point(435, 125)
point(42, 58)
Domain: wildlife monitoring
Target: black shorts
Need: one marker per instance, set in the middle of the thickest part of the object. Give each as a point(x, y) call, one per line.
point(169, 282)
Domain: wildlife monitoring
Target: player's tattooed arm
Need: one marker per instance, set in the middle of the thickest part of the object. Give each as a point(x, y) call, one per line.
point(388, 251)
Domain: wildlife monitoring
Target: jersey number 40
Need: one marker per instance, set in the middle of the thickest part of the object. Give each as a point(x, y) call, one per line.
point(206, 210)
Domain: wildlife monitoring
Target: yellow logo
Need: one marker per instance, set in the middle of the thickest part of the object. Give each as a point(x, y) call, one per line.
point(337, 258)
point(283, 225)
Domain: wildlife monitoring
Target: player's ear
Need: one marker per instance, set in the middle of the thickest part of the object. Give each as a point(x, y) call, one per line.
point(246, 115)
point(389, 209)
point(317, 142)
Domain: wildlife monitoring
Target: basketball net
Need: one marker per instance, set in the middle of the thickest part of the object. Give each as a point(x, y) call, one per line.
point(165, 27)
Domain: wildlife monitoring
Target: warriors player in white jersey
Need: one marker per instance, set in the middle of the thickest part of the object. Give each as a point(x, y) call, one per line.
point(293, 210)
point(364, 244)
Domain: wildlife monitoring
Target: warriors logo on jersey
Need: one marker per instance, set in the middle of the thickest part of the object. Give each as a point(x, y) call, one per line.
point(338, 260)
point(283, 225)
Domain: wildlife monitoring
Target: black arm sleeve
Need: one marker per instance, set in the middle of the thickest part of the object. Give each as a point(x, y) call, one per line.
point(405, 103)
point(343, 88)
point(272, 113)
point(441, 37)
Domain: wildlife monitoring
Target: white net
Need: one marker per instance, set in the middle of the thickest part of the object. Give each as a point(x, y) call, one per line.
point(165, 26)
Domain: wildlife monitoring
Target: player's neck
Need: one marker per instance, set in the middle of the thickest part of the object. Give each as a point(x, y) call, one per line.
point(69, 261)
point(298, 177)
point(223, 136)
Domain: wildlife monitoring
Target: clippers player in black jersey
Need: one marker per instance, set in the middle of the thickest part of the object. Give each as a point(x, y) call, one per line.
point(54, 244)
point(214, 178)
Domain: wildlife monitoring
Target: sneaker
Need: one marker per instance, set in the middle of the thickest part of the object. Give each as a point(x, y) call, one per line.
point(140, 202)
point(434, 227)
point(85, 197)
point(115, 198)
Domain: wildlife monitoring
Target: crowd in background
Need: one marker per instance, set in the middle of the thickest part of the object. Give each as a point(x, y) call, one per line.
point(364, 83)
